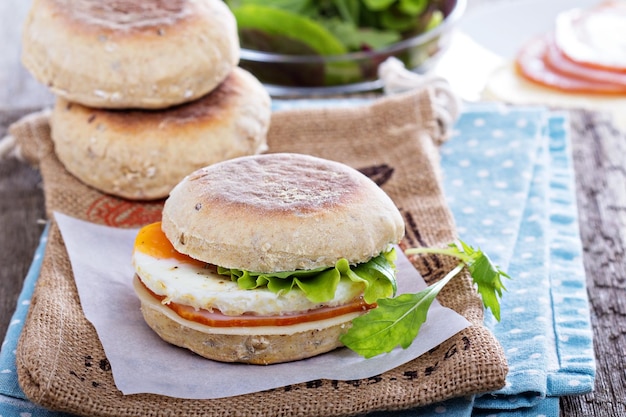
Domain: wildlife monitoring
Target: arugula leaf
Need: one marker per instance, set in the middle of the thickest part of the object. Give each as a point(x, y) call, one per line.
point(487, 278)
point(486, 275)
point(396, 321)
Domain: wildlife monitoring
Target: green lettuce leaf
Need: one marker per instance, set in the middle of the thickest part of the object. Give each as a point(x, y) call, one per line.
point(356, 38)
point(279, 22)
point(319, 285)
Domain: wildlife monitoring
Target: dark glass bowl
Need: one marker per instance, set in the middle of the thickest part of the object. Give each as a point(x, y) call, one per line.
point(287, 75)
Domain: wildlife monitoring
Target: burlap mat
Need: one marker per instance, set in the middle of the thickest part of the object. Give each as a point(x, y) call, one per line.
point(61, 363)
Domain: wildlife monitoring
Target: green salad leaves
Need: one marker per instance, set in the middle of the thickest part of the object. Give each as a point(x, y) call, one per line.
point(319, 285)
point(396, 321)
point(275, 22)
point(328, 27)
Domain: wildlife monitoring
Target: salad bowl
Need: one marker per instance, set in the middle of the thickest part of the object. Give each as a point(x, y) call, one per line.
point(287, 68)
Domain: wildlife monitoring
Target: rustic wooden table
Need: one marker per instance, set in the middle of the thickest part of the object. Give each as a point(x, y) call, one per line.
point(600, 163)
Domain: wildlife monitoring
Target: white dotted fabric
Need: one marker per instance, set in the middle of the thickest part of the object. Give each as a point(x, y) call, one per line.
point(520, 207)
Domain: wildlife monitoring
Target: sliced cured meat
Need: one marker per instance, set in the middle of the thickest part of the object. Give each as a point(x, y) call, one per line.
point(557, 61)
point(531, 64)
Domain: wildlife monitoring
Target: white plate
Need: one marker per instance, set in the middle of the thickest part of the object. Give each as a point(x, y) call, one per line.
point(502, 26)
point(479, 63)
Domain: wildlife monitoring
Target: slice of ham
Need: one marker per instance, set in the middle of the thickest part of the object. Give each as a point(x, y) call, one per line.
point(557, 61)
point(532, 63)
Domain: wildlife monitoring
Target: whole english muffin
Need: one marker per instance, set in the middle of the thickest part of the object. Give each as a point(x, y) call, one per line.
point(280, 212)
point(143, 154)
point(130, 53)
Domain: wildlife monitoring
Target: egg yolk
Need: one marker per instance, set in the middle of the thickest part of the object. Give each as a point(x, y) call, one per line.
point(152, 241)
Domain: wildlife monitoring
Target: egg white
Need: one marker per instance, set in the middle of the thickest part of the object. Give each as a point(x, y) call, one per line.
point(188, 284)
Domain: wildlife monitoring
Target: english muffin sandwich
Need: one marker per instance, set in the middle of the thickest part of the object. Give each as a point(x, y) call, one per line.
point(267, 258)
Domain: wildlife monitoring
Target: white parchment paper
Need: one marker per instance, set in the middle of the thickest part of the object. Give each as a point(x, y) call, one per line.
point(143, 363)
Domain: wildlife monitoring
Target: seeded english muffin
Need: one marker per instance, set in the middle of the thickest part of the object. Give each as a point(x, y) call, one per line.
point(267, 258)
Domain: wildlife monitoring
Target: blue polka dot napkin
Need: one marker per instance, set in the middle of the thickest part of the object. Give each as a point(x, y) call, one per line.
point(508, 179)
point(519, 205)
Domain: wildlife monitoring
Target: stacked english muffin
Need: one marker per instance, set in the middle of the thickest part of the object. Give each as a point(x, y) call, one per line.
point(147, 91)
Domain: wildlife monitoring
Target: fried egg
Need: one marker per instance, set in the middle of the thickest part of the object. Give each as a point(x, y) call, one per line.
point(184, 280)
